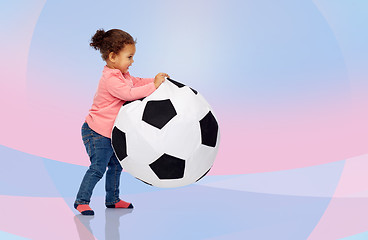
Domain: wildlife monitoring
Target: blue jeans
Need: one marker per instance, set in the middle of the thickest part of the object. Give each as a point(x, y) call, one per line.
point(102, 156)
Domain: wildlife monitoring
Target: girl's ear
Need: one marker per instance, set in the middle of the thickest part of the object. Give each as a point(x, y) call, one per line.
point(112, 56)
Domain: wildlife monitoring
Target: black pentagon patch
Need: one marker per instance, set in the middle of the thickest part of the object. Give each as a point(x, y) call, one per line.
point(203, 175)
point(158, 113)
point(127, 102)
point(178, 84)
point(195, 91)
point(168, 167)
point(119, 143)
point(209, 129)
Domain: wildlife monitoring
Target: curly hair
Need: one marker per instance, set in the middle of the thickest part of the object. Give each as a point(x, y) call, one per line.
point(113, 40)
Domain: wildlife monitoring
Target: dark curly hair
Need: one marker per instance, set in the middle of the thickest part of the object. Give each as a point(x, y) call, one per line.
point(113, 40)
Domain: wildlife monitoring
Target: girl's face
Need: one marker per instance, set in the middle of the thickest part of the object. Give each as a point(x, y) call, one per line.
point(124, 59)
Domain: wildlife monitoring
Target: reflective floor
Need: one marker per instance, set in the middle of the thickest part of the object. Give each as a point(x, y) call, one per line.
point(199, 212)
point(328, 201)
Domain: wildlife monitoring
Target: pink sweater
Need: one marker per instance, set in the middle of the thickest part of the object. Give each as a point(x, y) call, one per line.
point(114, 89)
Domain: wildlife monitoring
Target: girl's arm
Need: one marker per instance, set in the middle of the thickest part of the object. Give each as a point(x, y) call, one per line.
point(137, 81)
point(141, 81)
point(125, 92)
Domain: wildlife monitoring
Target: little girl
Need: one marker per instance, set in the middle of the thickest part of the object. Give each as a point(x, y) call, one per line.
point(115, 87)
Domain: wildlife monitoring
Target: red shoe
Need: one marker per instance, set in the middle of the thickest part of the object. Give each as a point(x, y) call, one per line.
point(84, 209)
point(120, 204)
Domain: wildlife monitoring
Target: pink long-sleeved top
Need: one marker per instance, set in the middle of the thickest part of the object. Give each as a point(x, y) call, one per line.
point(114, 89)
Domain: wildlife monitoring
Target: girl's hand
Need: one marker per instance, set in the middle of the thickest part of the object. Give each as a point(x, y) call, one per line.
point(160, 78)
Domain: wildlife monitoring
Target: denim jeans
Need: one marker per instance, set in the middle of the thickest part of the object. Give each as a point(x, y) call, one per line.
point(102, 156)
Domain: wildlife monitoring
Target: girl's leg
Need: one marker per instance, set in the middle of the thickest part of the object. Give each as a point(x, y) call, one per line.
point(99, 150)
point(112, 185)
point(113, 173)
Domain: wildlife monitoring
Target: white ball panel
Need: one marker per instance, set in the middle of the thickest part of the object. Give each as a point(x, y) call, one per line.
point(200, 162)
point(187, 103)
point(139, 170)
point(181, 138)
point(139, 148)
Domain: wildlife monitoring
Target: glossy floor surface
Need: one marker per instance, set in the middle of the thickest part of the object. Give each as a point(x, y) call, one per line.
point(328, 201)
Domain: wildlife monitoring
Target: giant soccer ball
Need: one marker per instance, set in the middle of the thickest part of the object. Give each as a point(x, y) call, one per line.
point(167, 139)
